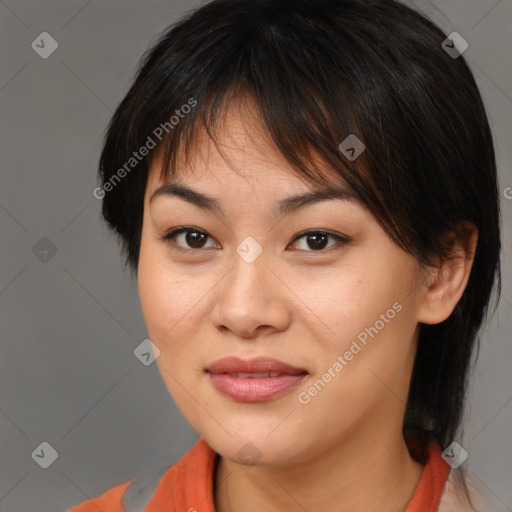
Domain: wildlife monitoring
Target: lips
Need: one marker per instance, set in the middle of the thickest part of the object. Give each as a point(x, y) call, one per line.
point(259, 365)
point(257, 380)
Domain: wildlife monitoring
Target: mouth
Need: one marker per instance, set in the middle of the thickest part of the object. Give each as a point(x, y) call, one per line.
point(256, 380)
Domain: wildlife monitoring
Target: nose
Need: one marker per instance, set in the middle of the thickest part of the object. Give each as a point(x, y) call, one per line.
point(252, 298)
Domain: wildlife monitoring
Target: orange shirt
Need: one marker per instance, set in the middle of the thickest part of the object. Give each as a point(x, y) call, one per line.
point(187, 486)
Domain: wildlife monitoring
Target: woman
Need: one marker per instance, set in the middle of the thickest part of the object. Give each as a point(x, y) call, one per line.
point(306, 191)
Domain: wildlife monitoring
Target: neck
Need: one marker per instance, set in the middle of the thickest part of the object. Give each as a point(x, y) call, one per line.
point(353, 477)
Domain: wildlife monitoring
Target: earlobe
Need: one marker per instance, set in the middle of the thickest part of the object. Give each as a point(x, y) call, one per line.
point(446, 284)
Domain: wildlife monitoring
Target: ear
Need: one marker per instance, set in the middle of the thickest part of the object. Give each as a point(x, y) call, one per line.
point(446, 283)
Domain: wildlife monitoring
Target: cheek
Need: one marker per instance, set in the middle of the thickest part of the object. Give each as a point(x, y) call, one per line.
point(348, 300)
point(167, 305)
point(371, 319)
point(172, 302)
point(161, 295)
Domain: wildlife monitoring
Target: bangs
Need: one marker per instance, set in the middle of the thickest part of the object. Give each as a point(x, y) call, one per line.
point(313, 155)
point(297, 123)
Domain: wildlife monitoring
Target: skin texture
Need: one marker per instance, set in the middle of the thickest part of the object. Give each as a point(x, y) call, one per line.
point(344, 449)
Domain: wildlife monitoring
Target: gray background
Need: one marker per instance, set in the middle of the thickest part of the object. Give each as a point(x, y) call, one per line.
point(69, 325)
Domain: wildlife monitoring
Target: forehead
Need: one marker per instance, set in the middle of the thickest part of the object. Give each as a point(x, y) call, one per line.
point(241, 149)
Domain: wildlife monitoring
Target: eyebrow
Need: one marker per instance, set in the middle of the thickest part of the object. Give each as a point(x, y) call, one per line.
point(284, 207)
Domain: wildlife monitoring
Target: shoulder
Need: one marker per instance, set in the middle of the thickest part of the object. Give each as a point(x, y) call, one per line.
point(132, 495)
point(160, 484)
point(477, 498)
point(110, 500)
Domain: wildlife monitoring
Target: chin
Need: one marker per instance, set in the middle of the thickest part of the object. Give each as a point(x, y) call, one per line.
point(251, 449)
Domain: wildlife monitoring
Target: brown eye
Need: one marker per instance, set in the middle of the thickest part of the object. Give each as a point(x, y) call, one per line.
point(193, 238)
point(316, 241)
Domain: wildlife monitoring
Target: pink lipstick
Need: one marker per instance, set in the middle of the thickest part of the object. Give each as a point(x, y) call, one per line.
point(256, 380)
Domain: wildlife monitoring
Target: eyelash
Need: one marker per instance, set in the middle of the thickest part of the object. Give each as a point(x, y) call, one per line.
point(168, 236)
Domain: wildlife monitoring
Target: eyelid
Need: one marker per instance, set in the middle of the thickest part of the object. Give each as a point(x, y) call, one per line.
point(169, 235)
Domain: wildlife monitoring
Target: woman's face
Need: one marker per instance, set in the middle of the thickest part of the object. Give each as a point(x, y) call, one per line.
point(257, 282)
